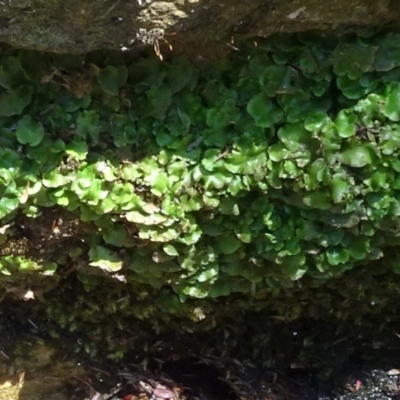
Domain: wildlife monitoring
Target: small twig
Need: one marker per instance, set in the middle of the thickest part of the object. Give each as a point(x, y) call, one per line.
point(84, 382)
point(33, 324)
point(233, 47)
point(222, 155)
point(111, 8)
point(100, 370)
point(194, 144)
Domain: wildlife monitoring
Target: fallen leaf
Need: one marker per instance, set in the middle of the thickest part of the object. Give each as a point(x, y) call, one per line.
point(21, 378)
point(163, 393)
point(394, 372)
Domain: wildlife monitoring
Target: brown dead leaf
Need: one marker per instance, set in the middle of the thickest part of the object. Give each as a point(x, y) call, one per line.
point(79, 84)
point(21, 378)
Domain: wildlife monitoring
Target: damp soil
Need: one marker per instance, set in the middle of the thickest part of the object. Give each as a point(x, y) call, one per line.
point(269, 358)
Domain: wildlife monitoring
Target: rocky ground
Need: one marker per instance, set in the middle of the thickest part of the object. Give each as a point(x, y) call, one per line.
point(192, 379)
point(262, 357)
point(305, 360)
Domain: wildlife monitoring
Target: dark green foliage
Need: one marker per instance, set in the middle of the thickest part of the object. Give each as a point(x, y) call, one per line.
point(282, 163)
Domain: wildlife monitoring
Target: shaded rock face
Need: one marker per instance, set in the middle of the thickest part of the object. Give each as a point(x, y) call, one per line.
point(80, 26)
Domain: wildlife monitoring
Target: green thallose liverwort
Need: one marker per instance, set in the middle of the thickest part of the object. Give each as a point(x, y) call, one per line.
point(257, 161)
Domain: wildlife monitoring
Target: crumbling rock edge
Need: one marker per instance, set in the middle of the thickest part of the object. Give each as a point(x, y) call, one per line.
point(200, 28)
